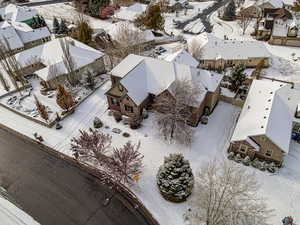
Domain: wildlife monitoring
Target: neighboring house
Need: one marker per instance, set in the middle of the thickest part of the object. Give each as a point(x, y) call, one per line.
point(46, 61)
point(288, 4)
point(286, 32)
point(266, 122)
point(217, 54)
point(264, 26)
point(16, 30)
point(270, 4)
point(137, 80)
point(15, 13)
point(130, 13)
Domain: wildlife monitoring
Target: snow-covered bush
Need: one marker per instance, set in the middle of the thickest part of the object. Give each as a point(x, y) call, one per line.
point(97, 123)
point(262, 166)
point(231, 155)
point(175, 179)
point(271, 167)
point(238, 158)
point(255, 163)
point(246, 161)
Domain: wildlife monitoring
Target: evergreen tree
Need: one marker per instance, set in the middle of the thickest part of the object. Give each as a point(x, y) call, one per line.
point(237, 77)
point(63, 98)
point(229, 11)
point(84, 32)
point(152, 19)
point(55, 25)
point(89, 79)
point(41, 109)
point(63, 29)
point(175, 179)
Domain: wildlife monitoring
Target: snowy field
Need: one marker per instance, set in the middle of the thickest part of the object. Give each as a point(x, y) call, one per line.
point(211, 141)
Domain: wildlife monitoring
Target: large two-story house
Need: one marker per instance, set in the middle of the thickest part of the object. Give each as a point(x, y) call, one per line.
point(137, 80)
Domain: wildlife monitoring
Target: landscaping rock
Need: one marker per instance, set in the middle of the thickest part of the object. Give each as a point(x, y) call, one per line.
point(97, 123)
point(58, 126)
point(116, 130)
point(125, 134)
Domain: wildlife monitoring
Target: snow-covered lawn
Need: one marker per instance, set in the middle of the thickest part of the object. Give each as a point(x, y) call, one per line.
point(211, 141)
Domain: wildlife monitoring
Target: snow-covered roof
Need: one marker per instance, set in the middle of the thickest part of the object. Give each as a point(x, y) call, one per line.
point(16, 13)
point(131, 13)
point(281, 27)
point(269, 110)
point(51, 55)
point(143, 75)
point(174, 2)
point(213, 48)
point(274, 3)
point(289, 2)
point(114, 29)
point(182, 57)
point(27, 34)
point(8, 33)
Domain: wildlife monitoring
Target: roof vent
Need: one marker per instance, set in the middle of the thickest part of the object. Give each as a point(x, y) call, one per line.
point(262, 127)
point(267, 108)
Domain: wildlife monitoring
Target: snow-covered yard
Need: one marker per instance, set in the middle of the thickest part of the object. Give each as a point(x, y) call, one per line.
point(211, 141)
point(195, 26)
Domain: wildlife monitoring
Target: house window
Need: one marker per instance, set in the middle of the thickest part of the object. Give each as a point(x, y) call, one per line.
point(115, 101)
point(129, 108)
point(269, 152)
point(243, 148)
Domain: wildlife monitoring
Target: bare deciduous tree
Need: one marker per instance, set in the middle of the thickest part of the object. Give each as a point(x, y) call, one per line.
point(227, 195)
point(93, 144)
point(129, 40)
point(4, 82)
point(125, 162)
point(10, 64)
point(194, 49)
point(69, 62)
point(122, 164)
point(245, 20)
point(174, 110)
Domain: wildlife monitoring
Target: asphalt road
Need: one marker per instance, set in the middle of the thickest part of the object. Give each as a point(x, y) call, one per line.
point(56, 192)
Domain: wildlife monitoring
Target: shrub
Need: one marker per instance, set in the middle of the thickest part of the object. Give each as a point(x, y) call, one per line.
point(117, 115)
point(238, 158)
point(97, 123)
point(175, 179)
point(135, 123)
point(246, 161)
point(125, 134)
point(231, 155)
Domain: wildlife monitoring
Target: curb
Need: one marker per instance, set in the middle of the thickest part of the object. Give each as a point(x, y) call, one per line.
point(126, 193)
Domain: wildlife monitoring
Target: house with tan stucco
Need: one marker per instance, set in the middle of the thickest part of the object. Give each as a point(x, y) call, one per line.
point(137, 81)
point(268, 117)
point(218, 54)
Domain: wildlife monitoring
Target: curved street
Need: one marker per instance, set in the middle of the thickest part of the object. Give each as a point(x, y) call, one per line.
point(56, 192)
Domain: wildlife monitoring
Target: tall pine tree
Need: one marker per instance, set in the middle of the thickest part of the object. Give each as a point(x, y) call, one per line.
point(63, 29)
point(55, 25)
point(237, 78)
point(229, 11)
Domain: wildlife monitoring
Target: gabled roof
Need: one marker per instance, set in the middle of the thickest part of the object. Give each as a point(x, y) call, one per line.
point(51, 55)
point(16, 13)
point(182, 57)
point(213, 48)
point(274, 3)
point(132, 12)
point(143, 75)
point(268, 110)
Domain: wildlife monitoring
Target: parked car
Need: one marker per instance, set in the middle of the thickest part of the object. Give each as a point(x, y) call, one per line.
point(296, 136)
point(160, 50)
